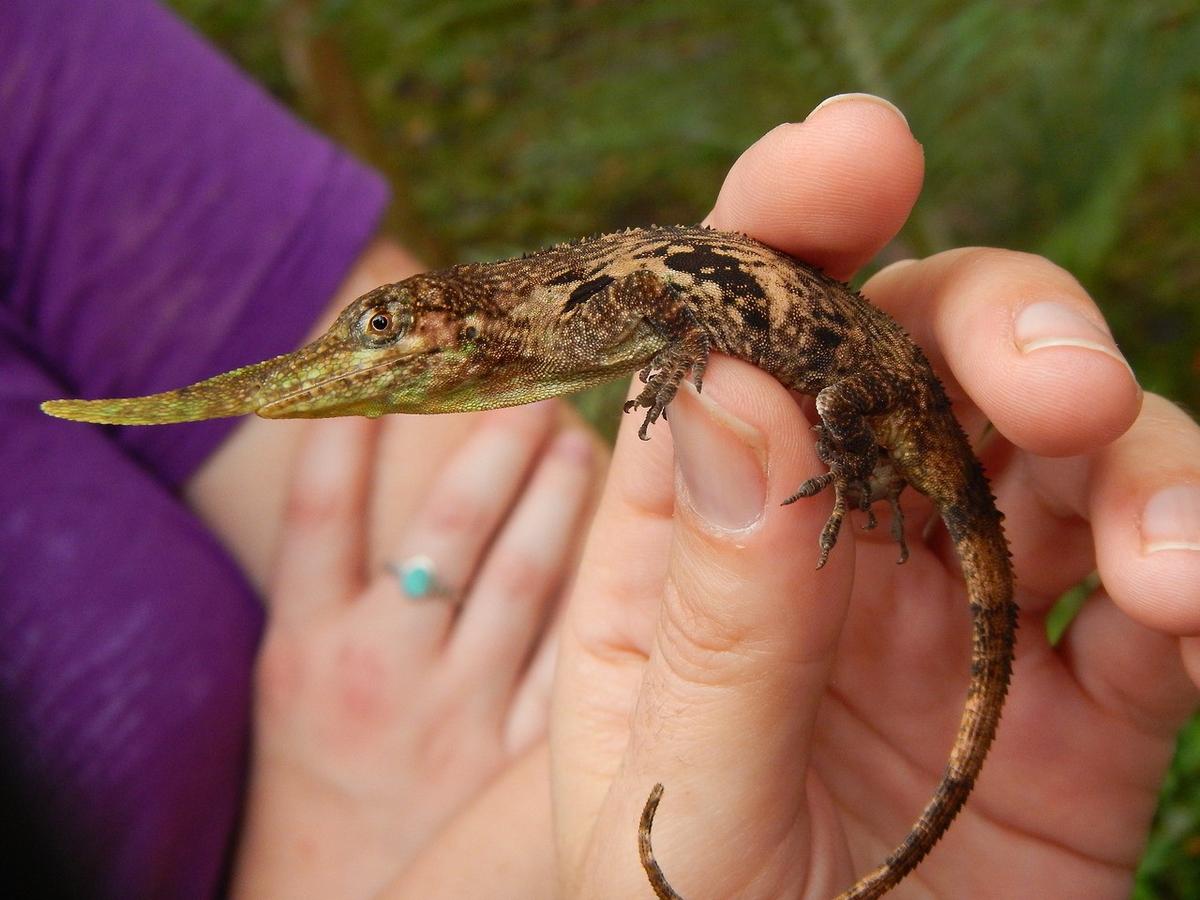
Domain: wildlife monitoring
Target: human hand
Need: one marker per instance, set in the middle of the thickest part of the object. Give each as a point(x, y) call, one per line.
point(379, 716)
point(800, 719)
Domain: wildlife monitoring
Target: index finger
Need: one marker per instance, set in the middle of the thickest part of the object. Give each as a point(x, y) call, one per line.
point(1023, 339)
point(319, 564)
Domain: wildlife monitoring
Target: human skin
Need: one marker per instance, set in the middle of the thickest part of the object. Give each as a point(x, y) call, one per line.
point(799, 719)
point(379, 717)
point(444, 704)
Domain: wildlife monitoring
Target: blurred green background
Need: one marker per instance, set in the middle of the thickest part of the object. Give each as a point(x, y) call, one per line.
point(1069, 129)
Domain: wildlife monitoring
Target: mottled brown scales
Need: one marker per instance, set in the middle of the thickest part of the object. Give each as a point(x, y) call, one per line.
point(657, 301)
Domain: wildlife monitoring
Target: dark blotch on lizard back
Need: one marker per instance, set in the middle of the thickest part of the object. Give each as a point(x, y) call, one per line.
point(827, 338)
point(831, 314)
point(709, 264)
point(568, 277)
point(653, 251)
point(754, 317)
point(586, 290)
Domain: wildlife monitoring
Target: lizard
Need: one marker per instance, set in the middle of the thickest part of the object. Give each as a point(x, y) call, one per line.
point(657, 301)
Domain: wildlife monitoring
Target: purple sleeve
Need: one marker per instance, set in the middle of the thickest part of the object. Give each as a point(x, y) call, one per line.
point(161, 219)
point(127, 640)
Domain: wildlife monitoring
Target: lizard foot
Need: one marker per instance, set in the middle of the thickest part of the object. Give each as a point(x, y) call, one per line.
point(685, 357)
point(854, 490)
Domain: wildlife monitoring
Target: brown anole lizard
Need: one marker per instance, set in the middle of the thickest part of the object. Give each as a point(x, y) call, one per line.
point(658, 301)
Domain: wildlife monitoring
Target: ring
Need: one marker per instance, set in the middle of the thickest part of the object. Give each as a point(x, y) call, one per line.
point(418, 580)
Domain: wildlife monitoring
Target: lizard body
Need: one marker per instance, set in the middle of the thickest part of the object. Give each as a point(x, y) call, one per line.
point(658, 301)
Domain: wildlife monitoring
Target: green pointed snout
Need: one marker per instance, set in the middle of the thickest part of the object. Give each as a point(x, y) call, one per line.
point(325, 378)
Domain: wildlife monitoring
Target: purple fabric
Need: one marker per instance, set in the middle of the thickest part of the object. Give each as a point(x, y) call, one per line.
point(161, 220)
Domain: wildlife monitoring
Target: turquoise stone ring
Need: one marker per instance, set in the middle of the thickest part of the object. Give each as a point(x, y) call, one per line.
point(417, 580)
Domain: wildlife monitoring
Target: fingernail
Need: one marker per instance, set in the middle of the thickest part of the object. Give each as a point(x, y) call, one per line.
point(721, 461)
point(1052, 324)
point(1171, 520)
point(870, 98)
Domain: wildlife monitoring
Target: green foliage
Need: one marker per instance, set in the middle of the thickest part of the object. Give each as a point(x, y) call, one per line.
point(1066, 128)
point(1171, 865)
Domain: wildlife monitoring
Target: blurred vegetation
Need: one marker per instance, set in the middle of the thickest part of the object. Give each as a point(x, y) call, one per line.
point(1068, 128)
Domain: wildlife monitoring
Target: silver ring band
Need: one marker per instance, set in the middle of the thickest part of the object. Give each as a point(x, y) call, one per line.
point(417, 579)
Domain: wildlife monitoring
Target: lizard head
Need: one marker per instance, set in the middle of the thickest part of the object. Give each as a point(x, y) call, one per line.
point(386, 352)
point(432, 343)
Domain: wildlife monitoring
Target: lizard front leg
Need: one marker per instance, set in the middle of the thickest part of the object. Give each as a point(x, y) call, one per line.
point(684, 356)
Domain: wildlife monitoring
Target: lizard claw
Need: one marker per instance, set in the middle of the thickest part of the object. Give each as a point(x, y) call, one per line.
point(898, 525)
point(811, 488)
point(858, 481)
point(663, 376)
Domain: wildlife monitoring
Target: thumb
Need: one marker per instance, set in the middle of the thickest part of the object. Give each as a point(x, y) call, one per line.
point(743, 650)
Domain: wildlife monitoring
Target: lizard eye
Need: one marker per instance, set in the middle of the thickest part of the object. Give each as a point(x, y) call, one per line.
point(383, 325)
point(470, 333)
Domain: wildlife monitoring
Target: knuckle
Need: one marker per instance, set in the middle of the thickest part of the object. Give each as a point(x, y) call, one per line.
point(979, 263)
point(709, 645)
point(281, 673)
point(363, 678)
point(445, 746)
point(454, 514)
point(316, 503)
point(518, 575)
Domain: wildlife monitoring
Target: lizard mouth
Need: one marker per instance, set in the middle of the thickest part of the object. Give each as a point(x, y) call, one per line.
point(354, 392)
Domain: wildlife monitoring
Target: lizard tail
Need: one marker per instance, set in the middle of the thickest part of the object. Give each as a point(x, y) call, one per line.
point(974, 526)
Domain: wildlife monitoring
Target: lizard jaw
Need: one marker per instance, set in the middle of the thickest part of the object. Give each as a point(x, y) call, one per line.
point(353, 392)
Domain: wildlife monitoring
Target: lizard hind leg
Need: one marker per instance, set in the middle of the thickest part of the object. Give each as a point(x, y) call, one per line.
point(860, 470)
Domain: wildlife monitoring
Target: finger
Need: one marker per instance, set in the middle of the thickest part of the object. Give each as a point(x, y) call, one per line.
point(1144, 505)
point(1050, 538)
point(320, 560)
point(466, 504)
point(608, 627)
point(1066, 517)
point(832, 190)
point(410, 452)
point(530, 711)
point(1023, 339)
point(525, 567)
point(1134, 673)
point(744, 643)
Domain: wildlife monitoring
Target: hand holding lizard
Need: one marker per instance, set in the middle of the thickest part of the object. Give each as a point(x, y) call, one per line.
point(800, 718)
